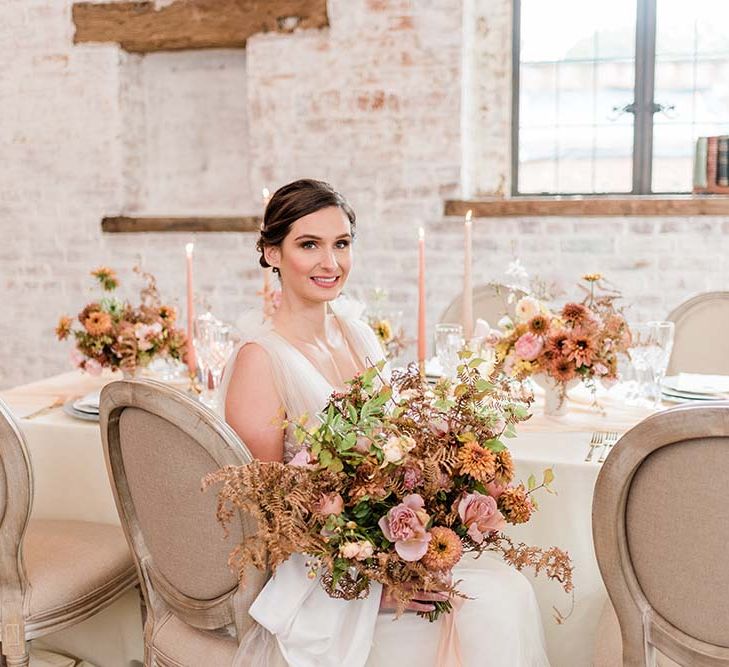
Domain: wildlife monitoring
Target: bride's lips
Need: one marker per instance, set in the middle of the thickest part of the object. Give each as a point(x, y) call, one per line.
point(327, 282)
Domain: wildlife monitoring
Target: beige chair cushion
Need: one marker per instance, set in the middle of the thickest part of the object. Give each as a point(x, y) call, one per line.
point(677, 529)
point(67, 561)
point(183, 644)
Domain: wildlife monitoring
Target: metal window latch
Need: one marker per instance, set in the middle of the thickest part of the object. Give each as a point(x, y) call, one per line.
point(632, 107)
point(664, 109)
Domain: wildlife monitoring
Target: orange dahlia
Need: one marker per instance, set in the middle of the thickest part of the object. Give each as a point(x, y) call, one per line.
point(554, 347)
point(515, 505)
point(581, 347)
point(504, 467)
point(107, 278)
point(576, 313)
point(98, 323)
point(477, 461)
point(444, 550)
point(63, 328)
point(562, 369)
point(539, 324)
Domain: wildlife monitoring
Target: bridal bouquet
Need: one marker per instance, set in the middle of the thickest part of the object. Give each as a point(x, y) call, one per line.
point(115, 334)
point(581, 341)
point(394, 485)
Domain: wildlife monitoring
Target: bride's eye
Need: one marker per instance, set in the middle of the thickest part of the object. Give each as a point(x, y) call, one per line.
point(343, 244)
point(308, 245)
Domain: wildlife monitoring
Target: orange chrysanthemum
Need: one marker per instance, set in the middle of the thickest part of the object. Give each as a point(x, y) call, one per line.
point(63, 328)
point(444, 550)
point(581, 347)
point(504, 467)
point(576, 313)
point(477, 461)
point(98, 323)
point(539, 324)
point(515, 505)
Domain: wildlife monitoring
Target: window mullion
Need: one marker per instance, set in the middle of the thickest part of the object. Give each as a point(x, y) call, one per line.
point(645, 61)
point(515, 85)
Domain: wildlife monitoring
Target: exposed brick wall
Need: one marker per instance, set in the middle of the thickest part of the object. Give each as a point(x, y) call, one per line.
point(374, 104)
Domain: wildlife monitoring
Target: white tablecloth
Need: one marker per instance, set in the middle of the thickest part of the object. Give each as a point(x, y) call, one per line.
point(71, 482)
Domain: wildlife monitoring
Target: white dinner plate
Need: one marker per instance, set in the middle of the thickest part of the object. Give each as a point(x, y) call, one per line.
point(699, 384)
point(77, 414)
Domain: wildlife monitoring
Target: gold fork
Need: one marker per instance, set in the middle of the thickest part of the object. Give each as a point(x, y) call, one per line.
point(595, 442)
point(611, 437)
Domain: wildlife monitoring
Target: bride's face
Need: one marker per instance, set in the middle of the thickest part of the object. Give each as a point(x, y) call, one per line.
point(316, 256)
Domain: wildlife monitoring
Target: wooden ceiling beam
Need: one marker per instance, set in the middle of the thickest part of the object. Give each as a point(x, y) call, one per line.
point(139, 27)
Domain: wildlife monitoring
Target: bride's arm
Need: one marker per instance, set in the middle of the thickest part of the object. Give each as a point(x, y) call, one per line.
point(253, 407)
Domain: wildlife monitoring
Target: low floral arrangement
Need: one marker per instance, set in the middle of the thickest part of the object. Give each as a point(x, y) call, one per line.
point(396, 483)
point(114, 334)
point(581, 341)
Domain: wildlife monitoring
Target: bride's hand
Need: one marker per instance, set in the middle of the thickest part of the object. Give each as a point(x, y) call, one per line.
point(418, 603)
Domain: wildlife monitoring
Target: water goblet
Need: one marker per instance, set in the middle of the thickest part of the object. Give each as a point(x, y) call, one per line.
point(448, 343)
point(659, 355)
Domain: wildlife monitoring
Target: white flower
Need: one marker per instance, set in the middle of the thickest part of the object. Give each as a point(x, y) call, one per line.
point(393, 450)
point(357, 550)
point(366, 550)
point(407, 443)
point(527, 307)
point(349, 550)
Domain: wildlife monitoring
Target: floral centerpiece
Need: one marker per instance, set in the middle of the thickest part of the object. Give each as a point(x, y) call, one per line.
point(580, 342)
point(394, 485)
point(115, 334)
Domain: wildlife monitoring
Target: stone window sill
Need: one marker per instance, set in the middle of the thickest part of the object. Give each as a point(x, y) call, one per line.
point(598, 206)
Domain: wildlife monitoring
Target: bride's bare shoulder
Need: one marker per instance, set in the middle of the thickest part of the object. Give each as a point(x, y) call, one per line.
point(252, 403)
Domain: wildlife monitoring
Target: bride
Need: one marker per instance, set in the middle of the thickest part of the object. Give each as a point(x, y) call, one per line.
point(290, 369)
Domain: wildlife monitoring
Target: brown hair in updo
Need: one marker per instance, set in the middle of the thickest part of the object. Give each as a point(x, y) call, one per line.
point(294, 201)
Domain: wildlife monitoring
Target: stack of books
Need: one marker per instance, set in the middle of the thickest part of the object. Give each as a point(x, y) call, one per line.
point(711, 165)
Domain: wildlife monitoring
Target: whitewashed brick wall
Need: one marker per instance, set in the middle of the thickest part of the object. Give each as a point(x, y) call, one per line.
point(375, 104)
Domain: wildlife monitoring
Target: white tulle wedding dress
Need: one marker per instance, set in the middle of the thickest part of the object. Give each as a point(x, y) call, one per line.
point(300, 625)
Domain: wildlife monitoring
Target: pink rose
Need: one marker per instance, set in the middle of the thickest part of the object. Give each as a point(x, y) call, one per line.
point(529, 346)
point(363, 444)
point(405, 526)
point(439, 426)
point(480, 515)
point(77, 359)
point(600, 368)
point(330, 503)
point(93, 367)
point(302, 459)
point(495, 489)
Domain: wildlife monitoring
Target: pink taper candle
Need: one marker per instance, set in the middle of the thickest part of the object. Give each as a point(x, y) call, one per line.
point(191, 361)
point(467, 281)
point(421, 300)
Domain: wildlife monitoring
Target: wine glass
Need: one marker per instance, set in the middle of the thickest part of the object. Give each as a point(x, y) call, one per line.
point(448, 343)
point(659, 353)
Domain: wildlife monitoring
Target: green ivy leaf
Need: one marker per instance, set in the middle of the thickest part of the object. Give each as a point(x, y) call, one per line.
point(495, 445)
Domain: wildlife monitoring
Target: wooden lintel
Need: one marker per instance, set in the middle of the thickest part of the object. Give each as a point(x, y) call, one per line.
point(126, 224)
point(139, 27)
point(594, 206)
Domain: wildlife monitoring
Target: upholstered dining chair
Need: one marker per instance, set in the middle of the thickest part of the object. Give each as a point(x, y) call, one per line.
point(490, 302)
point(159, 444)
point(660, 527)
point(701, 344)
point(53, 573)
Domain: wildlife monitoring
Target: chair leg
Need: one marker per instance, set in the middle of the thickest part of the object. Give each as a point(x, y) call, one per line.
point(19, 660)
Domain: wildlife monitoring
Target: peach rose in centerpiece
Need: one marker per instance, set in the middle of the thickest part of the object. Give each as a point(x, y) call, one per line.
point(405, 525)
point(480, 515)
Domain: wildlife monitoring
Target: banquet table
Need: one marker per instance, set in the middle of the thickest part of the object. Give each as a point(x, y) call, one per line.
point(71, 482)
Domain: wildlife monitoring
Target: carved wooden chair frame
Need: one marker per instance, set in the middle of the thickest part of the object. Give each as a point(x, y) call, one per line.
point(642, 628)
point(225, 448)
point(15, 511)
